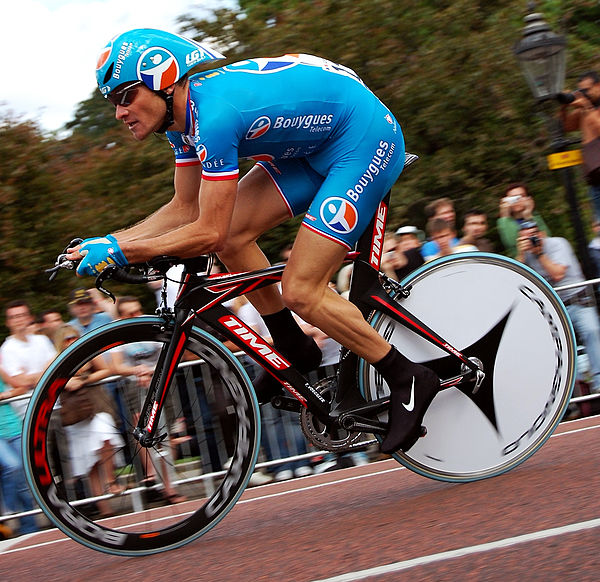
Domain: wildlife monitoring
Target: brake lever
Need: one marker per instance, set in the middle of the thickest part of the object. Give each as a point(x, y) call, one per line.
point(106, 274)
point(62, 262)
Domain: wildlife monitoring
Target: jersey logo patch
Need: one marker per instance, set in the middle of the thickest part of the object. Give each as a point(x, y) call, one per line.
point(263, 65)
point(202, 153)
point(339, 215)
point(158, 68)
point(259, 127)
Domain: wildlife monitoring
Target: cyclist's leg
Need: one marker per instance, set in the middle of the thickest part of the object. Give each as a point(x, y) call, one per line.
point(312, 263)
point(261, 205)
point(305, 283)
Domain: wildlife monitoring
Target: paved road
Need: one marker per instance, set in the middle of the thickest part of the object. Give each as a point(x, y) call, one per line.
point(377, 522)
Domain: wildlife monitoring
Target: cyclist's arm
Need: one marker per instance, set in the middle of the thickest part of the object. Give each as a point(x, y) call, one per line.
point(206, 234)
point(181, 209)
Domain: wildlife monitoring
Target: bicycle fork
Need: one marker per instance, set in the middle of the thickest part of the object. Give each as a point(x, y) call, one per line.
point(166, 366)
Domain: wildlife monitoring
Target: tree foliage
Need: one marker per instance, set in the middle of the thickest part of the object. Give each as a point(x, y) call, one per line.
point(444, 67)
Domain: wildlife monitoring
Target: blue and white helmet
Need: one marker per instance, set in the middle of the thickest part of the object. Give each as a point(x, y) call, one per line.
point(155, 57)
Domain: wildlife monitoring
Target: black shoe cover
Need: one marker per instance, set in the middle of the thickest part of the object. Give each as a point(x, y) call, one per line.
point(409, 402)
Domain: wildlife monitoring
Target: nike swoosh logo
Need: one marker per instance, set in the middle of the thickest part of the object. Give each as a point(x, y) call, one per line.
point(411, 403)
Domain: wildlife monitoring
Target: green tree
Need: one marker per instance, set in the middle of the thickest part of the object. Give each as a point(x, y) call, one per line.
point(447, 71)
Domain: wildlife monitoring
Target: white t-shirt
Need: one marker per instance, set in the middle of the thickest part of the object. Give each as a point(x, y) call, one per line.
point(26, 357)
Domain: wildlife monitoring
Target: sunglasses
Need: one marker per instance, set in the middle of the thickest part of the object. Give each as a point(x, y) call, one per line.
point(125, 96)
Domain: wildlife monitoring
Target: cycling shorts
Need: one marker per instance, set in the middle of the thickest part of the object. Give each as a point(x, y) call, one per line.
point(340, 186)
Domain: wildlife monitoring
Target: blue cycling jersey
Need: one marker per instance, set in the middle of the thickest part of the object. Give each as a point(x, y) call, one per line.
point(330, 146)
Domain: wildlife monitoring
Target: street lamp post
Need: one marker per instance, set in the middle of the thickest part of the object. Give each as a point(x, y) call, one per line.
point(542, 55)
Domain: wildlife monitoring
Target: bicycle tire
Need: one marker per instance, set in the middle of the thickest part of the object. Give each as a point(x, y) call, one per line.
point(501, 311)
point(212, 405)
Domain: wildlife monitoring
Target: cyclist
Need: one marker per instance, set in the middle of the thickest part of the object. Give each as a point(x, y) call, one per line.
point(324, 145)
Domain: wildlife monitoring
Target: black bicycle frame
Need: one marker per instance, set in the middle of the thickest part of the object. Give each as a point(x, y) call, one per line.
point(201, 296)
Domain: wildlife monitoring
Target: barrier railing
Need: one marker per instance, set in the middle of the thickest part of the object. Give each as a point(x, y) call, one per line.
point(283, 442)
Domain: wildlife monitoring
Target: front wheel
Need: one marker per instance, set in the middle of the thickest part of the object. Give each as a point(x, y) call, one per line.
point(502, 313)
point(97, 484)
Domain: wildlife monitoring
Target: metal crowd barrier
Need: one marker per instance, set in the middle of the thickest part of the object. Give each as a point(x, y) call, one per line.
point(282, 444)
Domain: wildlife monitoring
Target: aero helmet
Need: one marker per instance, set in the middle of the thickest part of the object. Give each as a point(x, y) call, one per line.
point(154, 57)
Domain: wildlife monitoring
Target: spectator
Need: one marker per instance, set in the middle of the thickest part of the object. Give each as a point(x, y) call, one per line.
point(516, 206)
point(442, 208)
point(51, 320)
point(343, 279)
point(83, 310)
point(409, 237)
point(444, 236)
point(173, 280)
point(583, 114)
point(475, 227)
point(102, 303)
point(24, 356)
point(15, 492)
point(92, 435)
point(594, 246)
point(553, 258)
point(406, 255)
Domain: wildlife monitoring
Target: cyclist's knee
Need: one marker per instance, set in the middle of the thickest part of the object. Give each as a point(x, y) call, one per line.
point(301, 298)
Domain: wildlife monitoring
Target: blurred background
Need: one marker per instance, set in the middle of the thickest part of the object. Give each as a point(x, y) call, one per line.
point(445, 68)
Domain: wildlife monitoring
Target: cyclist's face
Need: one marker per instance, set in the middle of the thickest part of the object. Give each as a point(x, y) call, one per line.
point(144, 114)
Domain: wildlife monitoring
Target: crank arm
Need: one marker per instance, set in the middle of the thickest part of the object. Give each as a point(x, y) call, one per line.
point(355, 423)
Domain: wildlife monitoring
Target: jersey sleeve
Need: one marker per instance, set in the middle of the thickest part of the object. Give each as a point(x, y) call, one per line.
point(219, 134)
point(185, 154)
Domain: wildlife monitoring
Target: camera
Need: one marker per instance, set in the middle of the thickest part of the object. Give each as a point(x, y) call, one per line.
point(512, 199)
point(534, 240)
point(566, 98)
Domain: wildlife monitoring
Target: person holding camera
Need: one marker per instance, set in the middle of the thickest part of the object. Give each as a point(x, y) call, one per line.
point(581, 111)
point(553, 258)
point(516, 207)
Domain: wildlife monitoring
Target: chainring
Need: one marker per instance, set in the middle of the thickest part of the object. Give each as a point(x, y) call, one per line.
point(328, 438)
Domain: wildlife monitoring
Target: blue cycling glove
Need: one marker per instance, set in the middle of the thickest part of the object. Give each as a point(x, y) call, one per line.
point(99, 252)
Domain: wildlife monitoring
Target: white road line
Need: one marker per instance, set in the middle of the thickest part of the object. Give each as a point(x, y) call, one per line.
point(575, 430)
point(319, 485)
point(460, 552)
